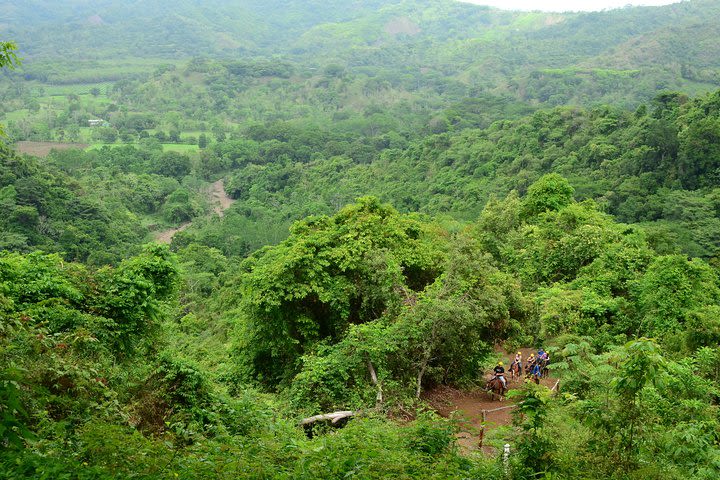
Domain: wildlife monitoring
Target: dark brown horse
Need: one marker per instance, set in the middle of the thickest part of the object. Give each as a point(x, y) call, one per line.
point(496, 388)
point(544, 367)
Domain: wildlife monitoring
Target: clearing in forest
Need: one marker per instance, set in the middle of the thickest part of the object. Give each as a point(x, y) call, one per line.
point(42, 149)
point(220, 202)
point(467, 407)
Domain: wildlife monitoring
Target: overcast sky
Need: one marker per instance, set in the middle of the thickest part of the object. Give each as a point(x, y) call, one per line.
point(566, 5)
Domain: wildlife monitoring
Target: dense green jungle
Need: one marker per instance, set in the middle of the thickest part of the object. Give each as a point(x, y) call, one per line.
point(223, 219)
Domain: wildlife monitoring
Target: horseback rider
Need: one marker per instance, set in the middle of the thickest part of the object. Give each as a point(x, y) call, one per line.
point(546, 362)
point(530, 363)
point(542, 358)
point(518, 362)
point(537, 369)
point(538, 365)
point(500, 374)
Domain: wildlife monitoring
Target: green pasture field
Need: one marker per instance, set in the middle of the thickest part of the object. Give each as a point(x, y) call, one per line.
point(600, 72)
point(86, 134)
point(180, 148)
point(76, 89)
point(167, 147)
point(53, 100)
point(16, 115)
point(192, 133)
point(77, 75)
point(183, 134)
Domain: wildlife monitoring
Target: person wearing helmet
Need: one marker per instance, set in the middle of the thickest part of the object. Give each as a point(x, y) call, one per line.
point(537, 369)
point(519, 362)
point(530, 363)
point(544, 361)
point(500, 373)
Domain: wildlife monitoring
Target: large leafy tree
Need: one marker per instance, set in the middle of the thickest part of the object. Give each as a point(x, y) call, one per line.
point(331, 273)
point(439, 336)
point(672, 290)
point(65, 329)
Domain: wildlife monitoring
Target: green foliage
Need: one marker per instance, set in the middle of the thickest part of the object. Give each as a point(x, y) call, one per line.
point(171, 164)
point(8, 59)
point(118, 306)
point(13, 417)
point(361, 310)
point(628, 163)
point(671, 289)
point(142, 368)
point(331, 273)
point(8, 55)
point(550, 193)
point(633, 399)
point(535, 447)
point(423, 334)
point(46, 209)
point(643, 365)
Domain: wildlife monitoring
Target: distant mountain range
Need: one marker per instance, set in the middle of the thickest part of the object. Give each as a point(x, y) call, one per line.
point(640, 48)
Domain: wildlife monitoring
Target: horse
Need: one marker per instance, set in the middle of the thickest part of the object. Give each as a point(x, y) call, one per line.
point(538, 370)
point(496, 388)
point(515, 370)
point(544, 367)
point(531, 373)
point(529, 368)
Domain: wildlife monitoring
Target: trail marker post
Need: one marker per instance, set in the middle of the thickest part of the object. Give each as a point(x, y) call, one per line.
point(506, 460)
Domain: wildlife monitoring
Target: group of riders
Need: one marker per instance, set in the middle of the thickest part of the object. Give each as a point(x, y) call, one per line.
point(535, 367)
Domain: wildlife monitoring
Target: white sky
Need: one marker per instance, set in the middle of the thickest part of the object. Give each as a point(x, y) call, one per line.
point(566, 5)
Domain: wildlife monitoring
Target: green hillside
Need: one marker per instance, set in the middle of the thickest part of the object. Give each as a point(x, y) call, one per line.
point(300, 239)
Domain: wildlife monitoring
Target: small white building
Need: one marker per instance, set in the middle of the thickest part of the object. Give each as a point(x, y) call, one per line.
point(97, 122)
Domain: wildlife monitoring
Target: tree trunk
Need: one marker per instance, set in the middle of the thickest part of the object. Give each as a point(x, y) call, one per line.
point(334, 417)
point(374, 378)
point(423, 367)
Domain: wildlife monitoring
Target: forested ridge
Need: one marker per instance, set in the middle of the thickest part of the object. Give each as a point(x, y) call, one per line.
point(420, 188)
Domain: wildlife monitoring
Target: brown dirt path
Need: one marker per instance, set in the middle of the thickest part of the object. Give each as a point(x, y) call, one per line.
point(166, 236)
point(220, 202)
point(467, 406)
point(42, 149)
point(220, 199)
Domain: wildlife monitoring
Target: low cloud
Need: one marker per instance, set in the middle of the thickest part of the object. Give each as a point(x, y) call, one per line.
point(566, 5)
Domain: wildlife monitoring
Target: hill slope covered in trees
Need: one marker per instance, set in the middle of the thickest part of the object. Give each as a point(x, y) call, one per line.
point(620, 55)
point(418, 185)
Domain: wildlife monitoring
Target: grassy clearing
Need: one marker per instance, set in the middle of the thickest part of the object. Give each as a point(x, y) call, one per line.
point(167, 147)
point(76, 89)
point(180, 148)
point(53, 100)
point(598, 72)
point(16, 115)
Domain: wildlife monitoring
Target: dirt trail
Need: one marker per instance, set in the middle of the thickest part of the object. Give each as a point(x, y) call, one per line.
point(220, 201)
point(467, 407)
point(219, 198)
point(42, 149)
point(166, 236)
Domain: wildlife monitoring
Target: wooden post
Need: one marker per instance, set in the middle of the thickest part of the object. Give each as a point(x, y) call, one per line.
point(506, 460)
point(482, 428)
